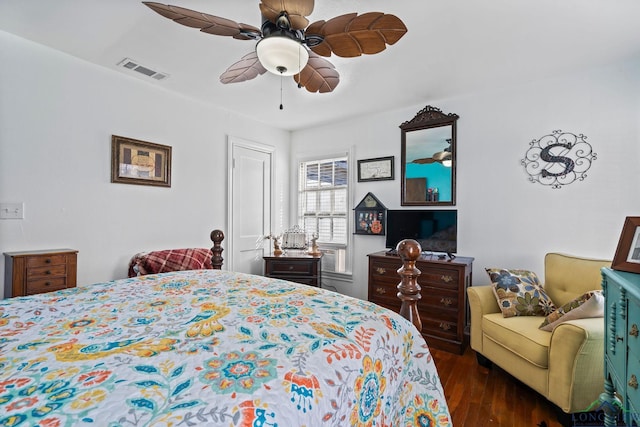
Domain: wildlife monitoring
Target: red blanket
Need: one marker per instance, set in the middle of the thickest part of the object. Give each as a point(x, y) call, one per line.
point(169, 260)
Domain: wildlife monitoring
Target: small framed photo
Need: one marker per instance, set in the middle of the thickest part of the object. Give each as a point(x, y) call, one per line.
point(378, 169)
point(140, 162)
point(627, 256)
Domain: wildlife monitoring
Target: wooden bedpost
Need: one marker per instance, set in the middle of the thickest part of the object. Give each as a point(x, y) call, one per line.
point(217, 236)
point(409, 289)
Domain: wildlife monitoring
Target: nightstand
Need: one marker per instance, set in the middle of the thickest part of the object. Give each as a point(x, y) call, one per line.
point(295, 267)
point(35, 272)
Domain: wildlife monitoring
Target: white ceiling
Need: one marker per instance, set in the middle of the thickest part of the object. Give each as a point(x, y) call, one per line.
point(451, 47)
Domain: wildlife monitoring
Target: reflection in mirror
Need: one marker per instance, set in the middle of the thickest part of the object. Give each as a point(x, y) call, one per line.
point(428, 159)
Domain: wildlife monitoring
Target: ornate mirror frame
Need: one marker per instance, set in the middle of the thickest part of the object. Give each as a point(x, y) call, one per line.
point(428, 159)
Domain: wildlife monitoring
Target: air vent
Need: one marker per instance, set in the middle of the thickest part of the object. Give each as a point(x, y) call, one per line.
point(135, 66)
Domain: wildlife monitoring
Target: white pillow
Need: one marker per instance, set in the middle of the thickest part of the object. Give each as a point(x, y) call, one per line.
point(590, 304)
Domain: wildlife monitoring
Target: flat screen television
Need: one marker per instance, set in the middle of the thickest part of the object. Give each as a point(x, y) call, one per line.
point(435, 230)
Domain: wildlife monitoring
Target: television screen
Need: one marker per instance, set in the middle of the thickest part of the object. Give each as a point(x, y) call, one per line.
point(435, 230)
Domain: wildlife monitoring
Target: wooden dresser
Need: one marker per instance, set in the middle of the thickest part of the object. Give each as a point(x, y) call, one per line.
point(443, 307)
point(35, 272)
point(300, 268)
point(621, 345)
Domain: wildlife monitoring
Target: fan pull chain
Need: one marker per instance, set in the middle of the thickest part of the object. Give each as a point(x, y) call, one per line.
point(299, 68)
point(281, 107)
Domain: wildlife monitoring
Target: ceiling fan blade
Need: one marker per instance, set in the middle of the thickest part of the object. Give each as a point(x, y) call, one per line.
point(319, 75)
point(297, 11)
point(442, 155)
point(352, 35)
point(207, 23)
point(247, 68)
point(424, 161)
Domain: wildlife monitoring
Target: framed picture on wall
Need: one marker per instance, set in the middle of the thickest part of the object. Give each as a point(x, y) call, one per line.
point(627, 256)
point(140, 162)
point(378, 169)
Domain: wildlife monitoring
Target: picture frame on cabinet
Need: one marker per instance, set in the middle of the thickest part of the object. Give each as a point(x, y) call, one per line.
point(627, 257)
point(377, 169)
point(140, 162)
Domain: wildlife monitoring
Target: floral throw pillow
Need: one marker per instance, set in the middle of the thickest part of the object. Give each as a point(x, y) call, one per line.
point(519, 293)
point(589, 304)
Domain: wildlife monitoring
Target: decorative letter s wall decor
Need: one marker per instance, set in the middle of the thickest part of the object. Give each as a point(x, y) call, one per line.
point(558, 159)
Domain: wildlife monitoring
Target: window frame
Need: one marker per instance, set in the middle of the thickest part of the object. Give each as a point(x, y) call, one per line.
point(349, 245)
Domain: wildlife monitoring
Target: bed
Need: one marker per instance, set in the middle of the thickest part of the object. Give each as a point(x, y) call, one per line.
point(212, 347)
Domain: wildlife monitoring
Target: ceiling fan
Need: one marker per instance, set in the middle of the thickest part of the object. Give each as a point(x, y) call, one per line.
point(289, 46)
point(444, 157)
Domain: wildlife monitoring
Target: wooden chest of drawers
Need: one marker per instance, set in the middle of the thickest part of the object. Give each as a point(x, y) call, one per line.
point(622, 345)
point(443, 307)
point(299, 268)
point(35, 272)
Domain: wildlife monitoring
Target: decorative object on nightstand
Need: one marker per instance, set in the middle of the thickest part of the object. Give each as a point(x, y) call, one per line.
point(36, 272)
point(294, 238)
point(370, 216)
point(314, 250)
point(276, 243)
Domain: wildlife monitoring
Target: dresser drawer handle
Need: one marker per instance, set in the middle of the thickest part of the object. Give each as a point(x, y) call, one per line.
point(633, 382)
point(381, 270)
point(446, 302)
point(47, 261)
point(634, 331)
point(381, 291)
point(47, 283)
point(618, 338)
point(47, 272)
point(445, 326)
point(446, 279)
point(290, 267)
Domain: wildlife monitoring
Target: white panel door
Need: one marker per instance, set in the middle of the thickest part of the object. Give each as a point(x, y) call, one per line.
point(250, 215)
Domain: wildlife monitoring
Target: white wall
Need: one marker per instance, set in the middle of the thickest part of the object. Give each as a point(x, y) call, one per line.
point(504, 220)
point(57, 115)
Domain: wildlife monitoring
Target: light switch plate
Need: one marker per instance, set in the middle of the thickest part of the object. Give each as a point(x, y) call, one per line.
point(11, 210)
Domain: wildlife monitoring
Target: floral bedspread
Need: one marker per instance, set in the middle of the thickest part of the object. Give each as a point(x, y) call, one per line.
point(214, 348)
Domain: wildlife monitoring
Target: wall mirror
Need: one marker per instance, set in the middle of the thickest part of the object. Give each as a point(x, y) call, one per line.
point(428, 159)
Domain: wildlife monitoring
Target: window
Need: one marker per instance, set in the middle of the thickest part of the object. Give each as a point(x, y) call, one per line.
point(323, 209)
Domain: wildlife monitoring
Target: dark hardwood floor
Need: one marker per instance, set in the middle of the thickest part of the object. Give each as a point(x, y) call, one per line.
point(479, 396)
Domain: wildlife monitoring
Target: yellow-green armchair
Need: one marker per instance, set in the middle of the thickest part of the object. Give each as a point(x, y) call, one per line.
point(566, 365)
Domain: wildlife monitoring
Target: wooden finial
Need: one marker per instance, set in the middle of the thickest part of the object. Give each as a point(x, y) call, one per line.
point(217, 236)
point(408, 289)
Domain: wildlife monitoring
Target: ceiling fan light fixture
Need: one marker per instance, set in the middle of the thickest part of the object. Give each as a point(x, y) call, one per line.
point(282, 55)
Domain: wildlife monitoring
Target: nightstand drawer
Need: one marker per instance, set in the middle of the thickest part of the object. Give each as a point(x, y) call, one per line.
point(43, 261)
point(50, 270)
point(46, 285)
point(291, 267)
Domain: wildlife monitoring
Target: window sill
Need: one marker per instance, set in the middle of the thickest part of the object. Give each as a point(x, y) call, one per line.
point(343, 277)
